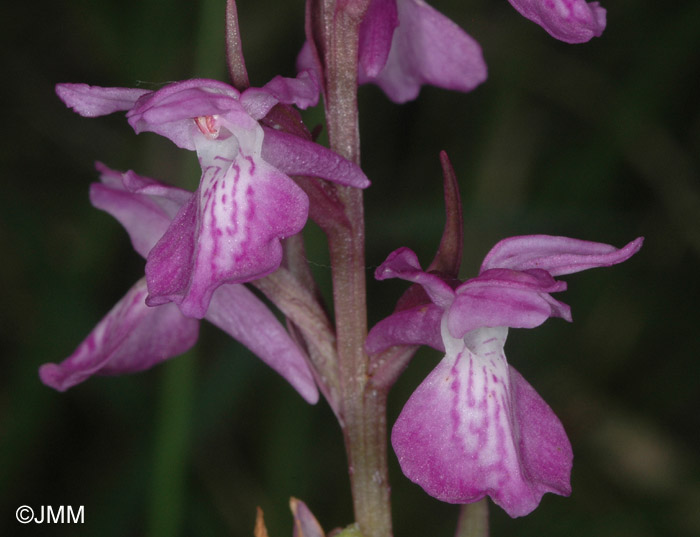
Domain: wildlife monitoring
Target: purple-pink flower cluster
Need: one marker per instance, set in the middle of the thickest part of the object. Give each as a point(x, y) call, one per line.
point(474, 427)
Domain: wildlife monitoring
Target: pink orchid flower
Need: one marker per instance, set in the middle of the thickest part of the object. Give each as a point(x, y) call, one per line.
point(230, 230)
point(134, 336)
point(474, 426)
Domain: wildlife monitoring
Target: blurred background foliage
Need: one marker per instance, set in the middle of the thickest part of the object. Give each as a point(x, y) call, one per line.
point(597, 141)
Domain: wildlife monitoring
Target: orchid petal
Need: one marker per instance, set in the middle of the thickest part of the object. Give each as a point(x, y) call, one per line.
point(556, 255)
point(171, 110)
point(572, 21)
point(257, 102)
point(94, 101)
point(403, 263)
point(376, 32)
point(302, 91)
point(494, 306)
point(239, 313)
point(229, 233)
point(307, 60)
point(545, 451)
point(459, 435)
point(295, 156)
point(143, 206)
point(428, 48)
point(131, 337)
point(169, 263)
point(534, 279)
point(415, 326)
point(505, 297)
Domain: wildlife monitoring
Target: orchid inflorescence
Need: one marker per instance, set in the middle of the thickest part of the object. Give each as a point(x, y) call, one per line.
point(474, 427)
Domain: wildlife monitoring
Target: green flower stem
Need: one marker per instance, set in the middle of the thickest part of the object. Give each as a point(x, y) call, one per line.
point(363, 407)
point(474, 519)
point(172, 444)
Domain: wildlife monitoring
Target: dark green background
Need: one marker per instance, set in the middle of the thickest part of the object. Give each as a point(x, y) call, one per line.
point(597, 141)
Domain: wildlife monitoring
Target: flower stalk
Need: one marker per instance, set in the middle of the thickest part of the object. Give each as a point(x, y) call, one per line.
point(473, 520)
point(363, 407)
